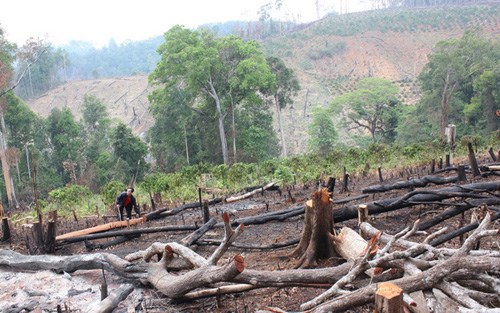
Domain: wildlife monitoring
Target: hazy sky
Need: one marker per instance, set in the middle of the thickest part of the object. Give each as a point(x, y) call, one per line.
point(60, 21)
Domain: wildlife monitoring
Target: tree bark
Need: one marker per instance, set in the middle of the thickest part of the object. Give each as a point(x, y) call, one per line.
point(317, 235)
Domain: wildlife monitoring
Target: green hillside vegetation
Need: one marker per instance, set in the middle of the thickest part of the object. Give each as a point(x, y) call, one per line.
point(355, 91)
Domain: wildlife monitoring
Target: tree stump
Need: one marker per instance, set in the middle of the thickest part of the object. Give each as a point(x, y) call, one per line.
point(316, 241)
point(5, 229)
point(388, 298)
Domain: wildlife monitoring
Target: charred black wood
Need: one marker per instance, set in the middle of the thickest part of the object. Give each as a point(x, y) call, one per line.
point(252, 247)
point(463, 230)
point(349, 199)
point(459, 208)
point(420, 182)
point(90, 246)
point(266, 217)
point(192, 238)
point(473, 161)
point(331, 184)
point(461, 174)
point(5, 229)
point(387, 205)
point(164, 212)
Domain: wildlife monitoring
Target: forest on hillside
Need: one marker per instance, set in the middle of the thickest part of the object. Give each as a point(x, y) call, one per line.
point(214, 100)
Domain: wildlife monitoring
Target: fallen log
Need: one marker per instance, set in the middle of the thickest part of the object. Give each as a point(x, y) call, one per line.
point(192, 238)
point(412, 183)
point(164, 212)
point(462, 230)
point(492, 168)
point(248, 194)
point(90, 246)
point(266, 217)
point(251, 247)
point(136, 231)
point(421, 196)
point(101, 228)
point(348, 199)
point(457, 209)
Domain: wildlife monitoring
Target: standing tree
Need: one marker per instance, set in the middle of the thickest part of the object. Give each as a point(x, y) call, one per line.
point(453, 77)
point(129, 153)
point(368, 108)
point(322, 133)
point(45, 73)
point(173, 140)
point(6, 59)
point(198, 62)
point(64, 135)
point(286, 87)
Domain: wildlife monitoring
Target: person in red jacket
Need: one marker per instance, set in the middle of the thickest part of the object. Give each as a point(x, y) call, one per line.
point(127, 200)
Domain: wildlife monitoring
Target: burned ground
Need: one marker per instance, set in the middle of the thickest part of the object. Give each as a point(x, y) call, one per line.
point(80, 289)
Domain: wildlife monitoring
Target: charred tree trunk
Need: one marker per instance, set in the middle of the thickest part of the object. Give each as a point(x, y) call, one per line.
point(473, 161)
point(316, 240)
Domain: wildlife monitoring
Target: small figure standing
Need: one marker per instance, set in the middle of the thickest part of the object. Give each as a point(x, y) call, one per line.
point(127, 200)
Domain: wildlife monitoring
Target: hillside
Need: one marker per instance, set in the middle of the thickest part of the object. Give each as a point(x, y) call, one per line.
point(125, 98)
point(329, 56)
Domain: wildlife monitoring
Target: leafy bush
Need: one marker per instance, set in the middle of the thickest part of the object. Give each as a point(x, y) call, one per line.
point(111, 190)
point(73, 198)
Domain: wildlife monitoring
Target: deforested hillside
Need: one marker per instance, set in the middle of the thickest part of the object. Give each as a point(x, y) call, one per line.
point(125, 98)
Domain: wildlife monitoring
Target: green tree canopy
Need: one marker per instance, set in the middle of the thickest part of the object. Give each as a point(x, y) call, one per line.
point(129, 152)
point(282, 92)
point(64, 135)
point(322, 134)
point(460, 82)
point(369, 108)
point(219, 73)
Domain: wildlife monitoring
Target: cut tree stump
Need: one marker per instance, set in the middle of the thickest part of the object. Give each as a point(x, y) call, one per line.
point(316, 241)
point(388, 298)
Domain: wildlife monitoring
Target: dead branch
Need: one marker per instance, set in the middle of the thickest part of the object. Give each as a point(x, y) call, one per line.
point(111, 302)
point(432, 277)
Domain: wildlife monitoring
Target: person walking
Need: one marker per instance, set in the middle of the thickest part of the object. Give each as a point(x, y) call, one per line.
point(127, 200)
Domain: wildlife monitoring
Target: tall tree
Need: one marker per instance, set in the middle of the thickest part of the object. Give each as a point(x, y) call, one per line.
point(197, 62)
point(129, 153)
point(46, 73)
point(454, 76)
point(173, 137)
point(6, 72)
point(64, 135)
point(285, 88)
point(368, 107)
